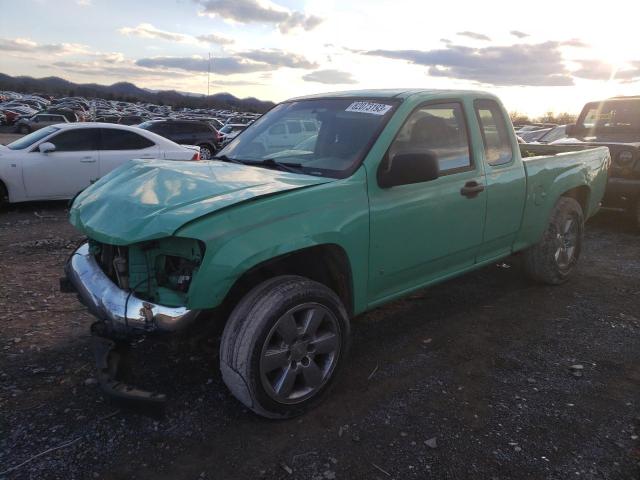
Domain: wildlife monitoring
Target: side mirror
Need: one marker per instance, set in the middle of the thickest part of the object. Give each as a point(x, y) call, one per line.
point(571, 130)
point(46, 147)
point(407, 168)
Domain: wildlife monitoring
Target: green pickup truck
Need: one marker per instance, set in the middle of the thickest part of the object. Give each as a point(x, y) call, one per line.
point(391, 191)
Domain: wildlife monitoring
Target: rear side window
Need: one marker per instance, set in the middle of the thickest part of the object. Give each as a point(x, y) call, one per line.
point(310, 127)
point(440, 130)
point(495, 133)
point(113, 139)
point(77, 140)
point(294, 127)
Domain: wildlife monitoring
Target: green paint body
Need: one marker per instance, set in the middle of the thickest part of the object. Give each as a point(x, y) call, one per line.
point(396, 240)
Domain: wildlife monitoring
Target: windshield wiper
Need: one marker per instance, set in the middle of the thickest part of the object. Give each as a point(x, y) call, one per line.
point(224, 158)
point(286, 166)
point(268, 162)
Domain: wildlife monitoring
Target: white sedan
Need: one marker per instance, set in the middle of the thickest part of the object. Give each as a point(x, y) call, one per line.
point(59, 161)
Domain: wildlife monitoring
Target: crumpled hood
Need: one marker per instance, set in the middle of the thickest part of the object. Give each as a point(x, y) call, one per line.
point(149, 199)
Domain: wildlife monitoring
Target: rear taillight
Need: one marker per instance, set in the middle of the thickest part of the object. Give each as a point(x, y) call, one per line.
point(196, 156)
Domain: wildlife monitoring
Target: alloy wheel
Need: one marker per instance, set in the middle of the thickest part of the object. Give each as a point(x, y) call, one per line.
point(300, 353)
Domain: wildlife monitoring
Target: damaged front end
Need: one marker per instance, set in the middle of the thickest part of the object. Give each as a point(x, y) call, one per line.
point(133, 290)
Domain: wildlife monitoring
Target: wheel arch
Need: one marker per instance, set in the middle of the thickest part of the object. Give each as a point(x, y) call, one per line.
point(327, 264)
point(582, 195)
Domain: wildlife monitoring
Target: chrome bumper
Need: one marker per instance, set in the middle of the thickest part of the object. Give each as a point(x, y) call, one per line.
point(122, 311)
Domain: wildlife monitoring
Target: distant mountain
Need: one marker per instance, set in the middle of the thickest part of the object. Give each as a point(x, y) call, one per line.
point(128, 92)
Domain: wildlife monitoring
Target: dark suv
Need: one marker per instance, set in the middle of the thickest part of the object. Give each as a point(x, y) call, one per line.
point(614, 123)
point(187, 132)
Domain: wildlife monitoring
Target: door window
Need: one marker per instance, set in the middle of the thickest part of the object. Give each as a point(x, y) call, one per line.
point(77, 140)
point(495, 133)
point(113, 139)
point(277, 129)
point(436, 129)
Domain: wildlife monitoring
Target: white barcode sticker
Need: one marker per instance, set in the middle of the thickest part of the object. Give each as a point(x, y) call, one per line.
point(369, 107)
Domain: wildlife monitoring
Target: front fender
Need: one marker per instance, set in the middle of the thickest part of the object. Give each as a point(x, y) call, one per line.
point(242, 237)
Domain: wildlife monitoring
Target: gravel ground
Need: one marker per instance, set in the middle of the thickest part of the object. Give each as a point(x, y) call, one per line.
point(471, 379)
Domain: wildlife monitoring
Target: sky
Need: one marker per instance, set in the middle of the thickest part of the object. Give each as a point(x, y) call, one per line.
point(537, 56)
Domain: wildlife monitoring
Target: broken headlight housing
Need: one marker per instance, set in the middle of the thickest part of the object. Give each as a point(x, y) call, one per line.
point(160, 271)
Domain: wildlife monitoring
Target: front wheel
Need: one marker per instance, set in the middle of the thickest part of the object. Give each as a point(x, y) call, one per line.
point(283, 345)
point(206, 152)
point(24, 129)
point(553, 259)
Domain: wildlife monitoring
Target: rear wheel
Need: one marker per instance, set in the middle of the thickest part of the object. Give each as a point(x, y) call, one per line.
point(283, 346)
point(206, 151)
point(4, 196)
point(553, 259)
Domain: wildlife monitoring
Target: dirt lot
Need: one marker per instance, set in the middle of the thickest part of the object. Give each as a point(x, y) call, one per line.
point(470, 379)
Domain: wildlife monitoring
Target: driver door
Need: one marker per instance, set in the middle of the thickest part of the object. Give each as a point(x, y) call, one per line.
point(67, 170)
point(421, 232)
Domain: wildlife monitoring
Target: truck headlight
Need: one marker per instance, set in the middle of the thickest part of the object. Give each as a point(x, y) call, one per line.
point(625, 158)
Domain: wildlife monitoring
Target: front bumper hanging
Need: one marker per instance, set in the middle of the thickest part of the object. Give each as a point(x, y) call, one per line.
point(108, 355)
point(122, 316)
point(123, 313)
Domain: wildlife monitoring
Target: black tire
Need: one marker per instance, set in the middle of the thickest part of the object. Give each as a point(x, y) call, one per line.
point(4, 196)
point(249, 336)
point(553, 259)
point(24, 129)
point(206, 151)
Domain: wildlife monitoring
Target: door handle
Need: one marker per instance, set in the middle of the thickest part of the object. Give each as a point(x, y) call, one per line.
point(471, 189)
point(87, 160)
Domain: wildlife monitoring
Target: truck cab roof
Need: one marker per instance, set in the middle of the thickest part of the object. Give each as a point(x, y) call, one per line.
point(401, 93)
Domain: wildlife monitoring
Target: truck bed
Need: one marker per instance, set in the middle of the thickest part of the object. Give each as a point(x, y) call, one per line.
point(553, 170)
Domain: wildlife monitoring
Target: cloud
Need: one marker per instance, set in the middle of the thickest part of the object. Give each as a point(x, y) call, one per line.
point(243, 62)
point(522, 64)
point(575, 42)
point(122, 69)
point(599, 70)
point(22, 45)
point(259, 11)
point(474, 36)
point(234, 83)
point(84, 3)
point(519, 34)
point(215, 39)
point(279, 58)
point(223, 66)
point(146, 30)
point(331, 77)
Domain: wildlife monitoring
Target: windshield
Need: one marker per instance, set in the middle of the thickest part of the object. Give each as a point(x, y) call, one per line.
point(324, 137)
point(619, 114)
point(32, 138)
